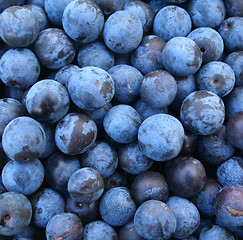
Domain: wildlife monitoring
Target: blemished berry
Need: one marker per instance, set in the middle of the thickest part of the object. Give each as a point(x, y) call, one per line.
point(85, 185)
point(75, 133)
point(15, 213)
point(147, 56)
point(201, 117)
point(64, 224)
point(53, 48)
point(46, 203)
point(228, 205)
point(91, 88)
point(83, 21)
point(153, 219)
point(19, 27)
point(47, 101)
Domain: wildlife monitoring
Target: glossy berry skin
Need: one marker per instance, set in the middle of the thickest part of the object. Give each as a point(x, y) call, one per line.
point(23, 177)
point(189, 144)
point(215, 148)
point(109, 6)
point(117, 179)
point(91, 88)
point(54, 10)
point(156, 132)
point(215, 232)
point(231, 172)
point(96, 54)
point(101, 157)
point(19, 68)
point(185, 86)
point(99, 230)
point(59, 168)
point(128, 232)
point(19, 27)
point(15, 213)
point(121, 123)
point(228, 205)
point(87, 212)
point(85, 185)
point(210, 42)
point(83, 21)
point(146, 111)
point(132, 160)
point(47, 101)
point(158, 89)
point(205, 199)
point(117, 207)
point(230, 30)
point(187, 216)
point(217, 77)
point(206, 13)
point(141, 9)
point(147, 56)
point(75, 133)
point(23, 139)
point(53, 48)
point(46, 203)
point(67, 226)
point(234, 130)
point(149, 185)
point(184, 64)
point(199, 116)
point(186, 176)
point(172, 21)
point(123, 31)
point(235, 61)
point(127, 81)
point(155, 220)
point(10, 108)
